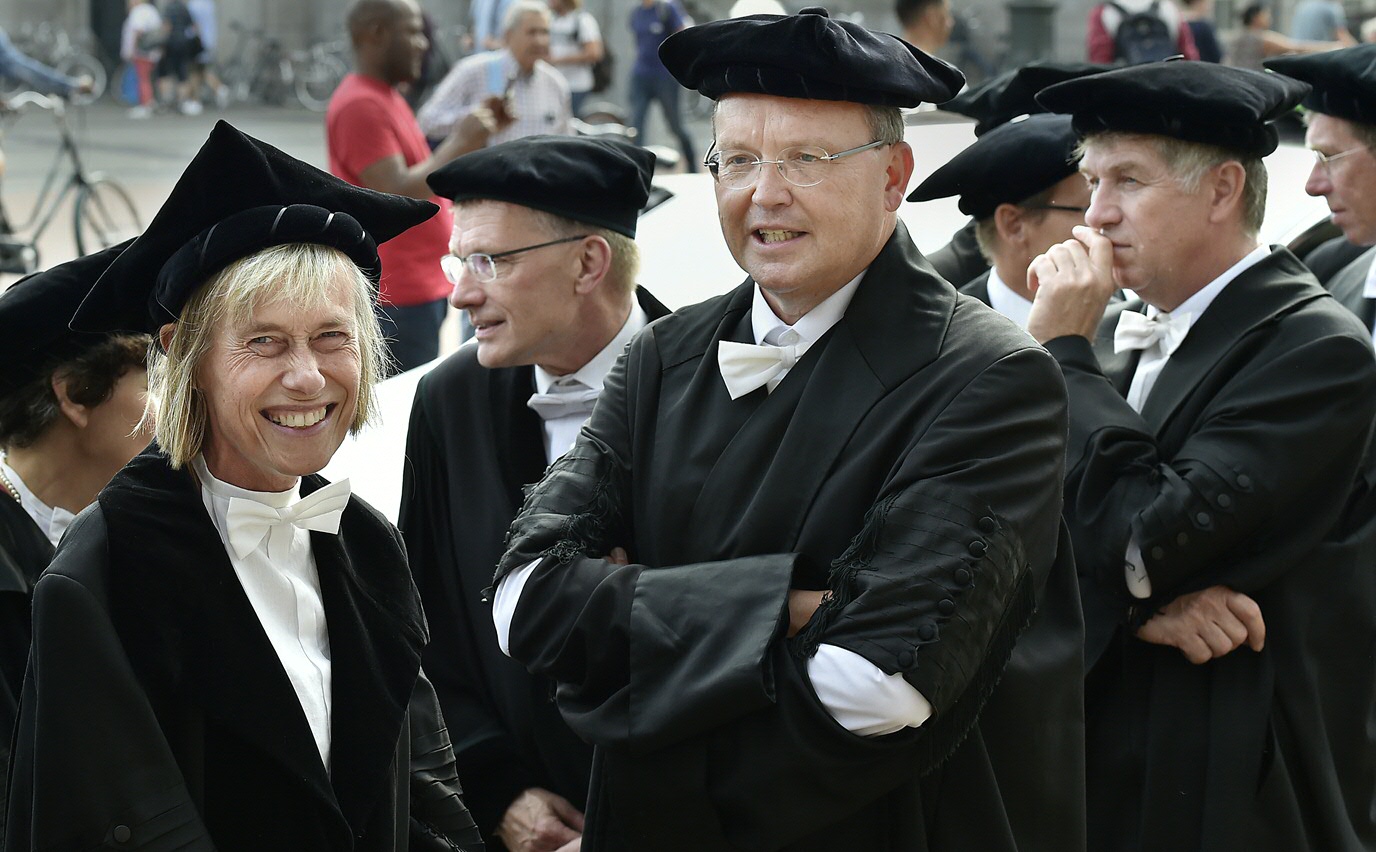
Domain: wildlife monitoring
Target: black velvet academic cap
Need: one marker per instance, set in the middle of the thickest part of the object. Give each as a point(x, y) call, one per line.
point(807, 55)
point(237, 197)
point(1192, 101)
point(1008, 164)
point(34, 314)
point(602, 182)
point(1013, 93)
point(1344, 81)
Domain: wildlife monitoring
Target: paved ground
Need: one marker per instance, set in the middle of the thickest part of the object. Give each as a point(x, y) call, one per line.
point(145, 156)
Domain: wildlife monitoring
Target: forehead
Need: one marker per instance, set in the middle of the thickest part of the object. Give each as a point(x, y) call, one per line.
point(477, 223)
point(332, 303)
point(744, 119)
point(533, 21)
point(1330, 132)
point(1118, 152)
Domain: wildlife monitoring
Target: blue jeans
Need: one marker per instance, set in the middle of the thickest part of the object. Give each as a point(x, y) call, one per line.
point(412, 332)
point(649, 87)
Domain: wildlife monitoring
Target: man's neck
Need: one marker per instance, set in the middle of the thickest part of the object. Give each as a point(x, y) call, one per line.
point(58, 474)
point(374, 74)
point(1208, 270)
point(600, 325)
point(922, 39)
point(1014, 276)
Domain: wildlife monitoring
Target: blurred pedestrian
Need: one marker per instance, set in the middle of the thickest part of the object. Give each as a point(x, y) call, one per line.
point(651, 22)
point(1321, 20)
point(140, 45)
point(575, 45)
point(71, 415)
point(180, 47)
point(226, 648)
point(204, 71)
point(515, 86)
point(374, 142)
point(1129, 32)
point(1256, 41)
point(927, 24)
point(1199, 16)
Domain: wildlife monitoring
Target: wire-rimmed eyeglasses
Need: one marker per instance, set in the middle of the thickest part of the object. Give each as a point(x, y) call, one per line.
point(800, 165)
point(483, 265)
point(1325, 161)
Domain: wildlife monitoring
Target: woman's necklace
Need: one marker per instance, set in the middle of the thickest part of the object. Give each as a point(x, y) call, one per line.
point(9, 486)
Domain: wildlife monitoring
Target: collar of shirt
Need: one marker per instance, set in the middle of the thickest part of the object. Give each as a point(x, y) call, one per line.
point(1003, 299)
point(217, 494)
point(595, 371)
point(52, 520)
point(1196, 305)
point(811, 326)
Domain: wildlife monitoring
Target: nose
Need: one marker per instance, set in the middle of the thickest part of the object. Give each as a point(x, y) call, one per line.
point(1102, 211)
point(467, 293)
point(1320, 182)
point(303, 376)
point(770, 189)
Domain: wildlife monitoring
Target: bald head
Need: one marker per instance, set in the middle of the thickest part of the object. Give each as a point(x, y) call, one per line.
point(389, 39)
point(366, 15)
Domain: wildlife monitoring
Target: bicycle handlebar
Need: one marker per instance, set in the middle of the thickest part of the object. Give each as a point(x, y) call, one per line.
point(17, 102)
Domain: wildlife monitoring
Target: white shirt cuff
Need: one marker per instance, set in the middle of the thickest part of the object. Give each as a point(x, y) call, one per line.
point(860, 697)
point(1139, 584)
point(504, 600)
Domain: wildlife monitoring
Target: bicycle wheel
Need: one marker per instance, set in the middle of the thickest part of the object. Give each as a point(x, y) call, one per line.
point(103, 215)
point(84, 65)
point(316, 79)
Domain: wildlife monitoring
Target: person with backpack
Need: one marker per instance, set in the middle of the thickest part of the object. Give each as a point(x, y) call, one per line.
point(576, 50)
point(651, 22)
point(1130, 32)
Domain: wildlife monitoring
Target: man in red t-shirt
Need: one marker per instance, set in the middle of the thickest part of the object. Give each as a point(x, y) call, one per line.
point(374, 142)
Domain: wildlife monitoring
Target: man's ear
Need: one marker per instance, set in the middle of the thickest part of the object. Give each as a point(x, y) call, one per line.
point(78, 414)
point(594, 262)
point(1009, 221)
point(897, 175)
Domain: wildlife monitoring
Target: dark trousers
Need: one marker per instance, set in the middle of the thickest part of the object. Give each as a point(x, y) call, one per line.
point(646, 88)
point(412, 333)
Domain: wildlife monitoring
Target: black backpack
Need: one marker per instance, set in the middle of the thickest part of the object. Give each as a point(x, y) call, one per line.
point(1142, 36)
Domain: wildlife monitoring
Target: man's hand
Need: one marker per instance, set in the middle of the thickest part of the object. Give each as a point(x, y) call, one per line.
point(1207, 624)
point(571, 846)
point(84, 85)
point(1072, 283)
point(619, 556)
point(540, 821)
point(801, 605)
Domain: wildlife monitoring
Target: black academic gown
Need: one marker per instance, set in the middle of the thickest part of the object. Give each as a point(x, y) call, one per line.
point(1348, 286)
point(156, 715)
point(1331, 257)
point(907, 463)
point(472, 445)
point(977, 287)
point(960, 260)
point(1248, 467)
point(24, 552)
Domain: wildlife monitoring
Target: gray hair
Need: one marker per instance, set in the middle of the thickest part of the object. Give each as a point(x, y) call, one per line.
point(519, 9)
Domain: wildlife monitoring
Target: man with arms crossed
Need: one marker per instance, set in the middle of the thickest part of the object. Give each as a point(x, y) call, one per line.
point(838, 491)
point(1216, 487)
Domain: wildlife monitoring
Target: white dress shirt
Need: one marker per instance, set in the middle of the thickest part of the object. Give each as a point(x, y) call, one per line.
point(857, 693)
point(285, 595)
point(539, 101)
point(1003, 299)
point(52, 520)
point(1369, 291)
point(561, 432)
point(1150, 365)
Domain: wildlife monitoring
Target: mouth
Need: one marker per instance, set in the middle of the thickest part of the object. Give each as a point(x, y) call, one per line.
point(772, 236)
point(299, 420)
point(483, 328)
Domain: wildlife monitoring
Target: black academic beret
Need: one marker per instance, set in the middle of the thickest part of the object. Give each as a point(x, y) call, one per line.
point(1013, 93)
point(1193, 101)
point(34, 317)
point(237, 197)
point(1344, 81)
point(1006, 165)
point(599, 181)
point(807, 55)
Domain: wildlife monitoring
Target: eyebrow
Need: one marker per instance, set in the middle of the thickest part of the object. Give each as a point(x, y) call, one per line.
point(339, 321)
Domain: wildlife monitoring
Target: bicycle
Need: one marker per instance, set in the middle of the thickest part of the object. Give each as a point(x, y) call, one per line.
point(52, 46)
point(103, 213)
point(317, 73)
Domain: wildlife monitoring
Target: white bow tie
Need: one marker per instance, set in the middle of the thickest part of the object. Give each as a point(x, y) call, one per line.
point(564, 402)
point(745, 366)
point(250, 521)
point(1137, 331)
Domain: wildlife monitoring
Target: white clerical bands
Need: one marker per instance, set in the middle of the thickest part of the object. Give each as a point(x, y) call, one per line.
point(249, 521)
point(745, 366)
point(1137, 331)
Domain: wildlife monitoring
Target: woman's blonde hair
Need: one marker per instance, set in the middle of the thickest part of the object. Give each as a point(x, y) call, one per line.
point(301, 274)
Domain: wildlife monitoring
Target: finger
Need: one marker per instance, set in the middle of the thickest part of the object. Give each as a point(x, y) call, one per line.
point(619, 556)
point(1195, 649)
point(564, 809)
point(1249, 613)
point(1033, 282)
point(1232, 627)
point(1099, 247)
point(1220, 644)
